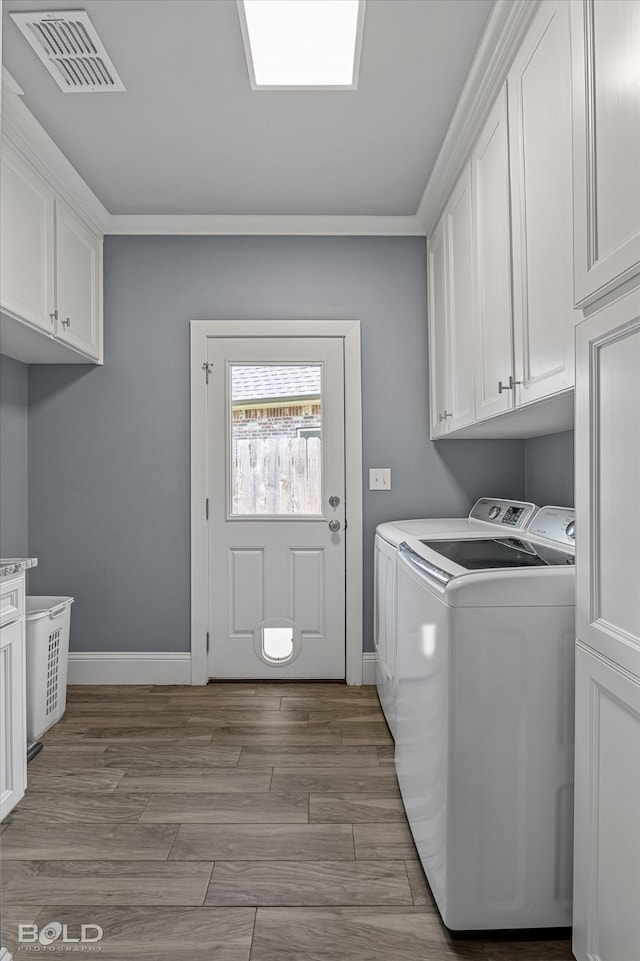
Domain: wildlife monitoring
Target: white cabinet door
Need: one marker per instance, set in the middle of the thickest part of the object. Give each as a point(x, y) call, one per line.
point(541, 170)
point(27, 247)
point(461, 303)
point(492, 236)
point(13, 732)
point(607, 791)
point(608, 472)
point(606, 144)
point(607, 825)
point(438, 346)
point(78, 284)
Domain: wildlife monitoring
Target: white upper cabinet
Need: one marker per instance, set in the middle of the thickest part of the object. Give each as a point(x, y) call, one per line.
point(78, 283)
point(451, 312)
point(606, 144)
point(539, 86)
point(50, 270)
point(438, 350)
point(27, 243)
point(492, 256)
point(461, 303)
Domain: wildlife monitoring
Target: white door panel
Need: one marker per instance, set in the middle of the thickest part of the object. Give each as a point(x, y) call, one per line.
point(541, 168)
point(276, 457)
point(492, 225)
point(606, 143)
point(607, 791)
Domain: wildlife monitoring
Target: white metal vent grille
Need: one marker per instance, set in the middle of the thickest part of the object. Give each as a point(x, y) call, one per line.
point(68, 45)
point(53, 672)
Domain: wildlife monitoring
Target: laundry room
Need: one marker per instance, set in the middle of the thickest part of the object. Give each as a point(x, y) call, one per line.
point(318, 403)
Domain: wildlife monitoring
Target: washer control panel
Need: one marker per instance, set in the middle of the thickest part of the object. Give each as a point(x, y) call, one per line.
point(556, 524)
point(505, 513)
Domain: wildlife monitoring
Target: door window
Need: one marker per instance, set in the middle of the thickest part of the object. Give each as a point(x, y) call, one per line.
point(276, 439)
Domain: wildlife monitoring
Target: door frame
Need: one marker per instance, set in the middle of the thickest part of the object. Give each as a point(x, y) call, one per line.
point(349, 332)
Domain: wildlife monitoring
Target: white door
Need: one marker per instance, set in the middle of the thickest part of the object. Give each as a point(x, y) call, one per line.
point(276, 489)
point(606, 924)
point(606, 143)
point(461, 300)
point(77, 281)
point(438, 348)
point(26, 252)
point(541, 163)
point(494, 319)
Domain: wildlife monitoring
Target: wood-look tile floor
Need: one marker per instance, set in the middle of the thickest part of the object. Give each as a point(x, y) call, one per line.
point(234, 822)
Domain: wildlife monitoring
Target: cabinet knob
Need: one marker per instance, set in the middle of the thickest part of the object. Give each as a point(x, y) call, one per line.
point(444, 415)
point(67, 322)
point(54, 316)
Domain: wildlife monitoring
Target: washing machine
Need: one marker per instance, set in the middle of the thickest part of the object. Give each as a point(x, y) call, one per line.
point(488, 513)
point(484, 726)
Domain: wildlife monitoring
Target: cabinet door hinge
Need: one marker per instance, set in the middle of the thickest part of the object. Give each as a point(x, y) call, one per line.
point(208, 369)
point(207, 642)
point(206, 509)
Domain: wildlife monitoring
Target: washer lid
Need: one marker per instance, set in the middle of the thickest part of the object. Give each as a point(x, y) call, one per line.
point(498, 553)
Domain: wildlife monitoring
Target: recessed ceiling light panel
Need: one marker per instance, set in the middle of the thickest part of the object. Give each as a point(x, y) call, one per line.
point(68, 45)
point(302, 44)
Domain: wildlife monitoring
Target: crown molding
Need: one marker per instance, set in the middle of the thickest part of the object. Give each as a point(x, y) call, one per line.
point(264, 225)
point(498, 45)
point(22, 131)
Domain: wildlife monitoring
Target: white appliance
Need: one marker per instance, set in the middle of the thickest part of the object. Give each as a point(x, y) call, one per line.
point(486, 513)
point(484, 728)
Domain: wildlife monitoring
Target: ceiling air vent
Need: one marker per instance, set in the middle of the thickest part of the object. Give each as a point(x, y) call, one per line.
point(71, 50)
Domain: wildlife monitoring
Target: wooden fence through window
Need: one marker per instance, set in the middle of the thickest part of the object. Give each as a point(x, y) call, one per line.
point(277, 475)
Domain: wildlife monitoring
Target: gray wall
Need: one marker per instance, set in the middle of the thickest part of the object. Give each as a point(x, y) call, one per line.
point(13, 458)
point(109, 447)
point(549, 469)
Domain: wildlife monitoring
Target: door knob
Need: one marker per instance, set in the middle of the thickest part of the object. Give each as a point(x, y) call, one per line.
point(334, 526)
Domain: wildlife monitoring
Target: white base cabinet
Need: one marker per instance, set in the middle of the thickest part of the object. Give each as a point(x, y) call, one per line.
point(13, 728)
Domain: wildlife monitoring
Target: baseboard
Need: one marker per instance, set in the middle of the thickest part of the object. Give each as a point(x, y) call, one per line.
point(107, 667)
point(369, 659)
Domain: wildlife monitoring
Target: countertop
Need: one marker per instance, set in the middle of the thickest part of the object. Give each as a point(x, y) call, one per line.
point(10, 566)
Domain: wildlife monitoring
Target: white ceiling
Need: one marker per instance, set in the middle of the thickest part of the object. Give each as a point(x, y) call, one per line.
point(189, 136)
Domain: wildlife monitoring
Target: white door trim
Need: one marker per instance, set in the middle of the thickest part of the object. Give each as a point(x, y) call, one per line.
point(349, 331)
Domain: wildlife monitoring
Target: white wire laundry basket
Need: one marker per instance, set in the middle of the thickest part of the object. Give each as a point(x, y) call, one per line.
point(48, 622)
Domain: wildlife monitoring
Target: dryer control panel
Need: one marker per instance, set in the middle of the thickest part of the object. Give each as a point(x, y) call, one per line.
point(512, 514)
point(556, 524)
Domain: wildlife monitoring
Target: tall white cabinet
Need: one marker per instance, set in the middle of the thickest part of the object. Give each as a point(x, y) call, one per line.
point(606, 197)
point(607, 775)
point(606, 114)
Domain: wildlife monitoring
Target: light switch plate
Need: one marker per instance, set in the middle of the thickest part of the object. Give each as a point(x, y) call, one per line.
point(379, 478)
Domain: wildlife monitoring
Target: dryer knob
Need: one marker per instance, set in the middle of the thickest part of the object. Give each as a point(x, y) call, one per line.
point(494, 512)
point(570, 530)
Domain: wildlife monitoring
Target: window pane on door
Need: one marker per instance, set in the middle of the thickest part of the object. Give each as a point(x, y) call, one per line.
point(276, 439)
